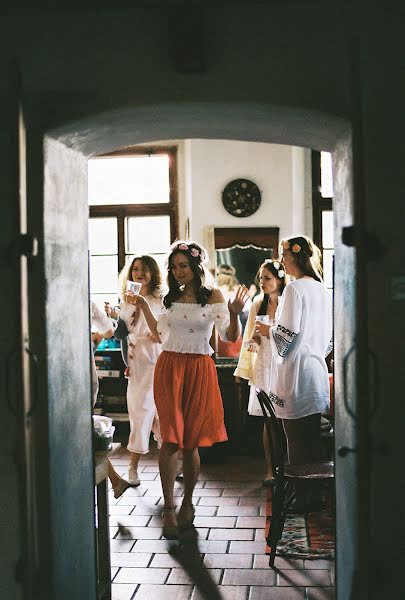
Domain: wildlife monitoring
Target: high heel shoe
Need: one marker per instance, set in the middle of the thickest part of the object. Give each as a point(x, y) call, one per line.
point(185, 516)
point(169, 523)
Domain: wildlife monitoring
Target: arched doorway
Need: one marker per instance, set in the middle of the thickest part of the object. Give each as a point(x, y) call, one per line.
point(68, 470)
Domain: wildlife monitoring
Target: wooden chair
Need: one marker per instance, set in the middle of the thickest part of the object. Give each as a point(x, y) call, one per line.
point(285, 475)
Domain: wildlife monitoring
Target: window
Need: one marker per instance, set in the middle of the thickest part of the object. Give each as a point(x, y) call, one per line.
point(133, 210)
point(322, 197)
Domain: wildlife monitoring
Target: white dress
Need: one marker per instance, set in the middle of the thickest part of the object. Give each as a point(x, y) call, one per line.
point(143, 353)
point(255, 366)
point(301, 338)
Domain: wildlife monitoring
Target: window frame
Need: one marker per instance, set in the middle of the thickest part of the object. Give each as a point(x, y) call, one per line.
point(122, 211)
point(319, 203)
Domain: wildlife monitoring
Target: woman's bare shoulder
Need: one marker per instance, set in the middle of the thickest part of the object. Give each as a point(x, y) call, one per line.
point(216, 296)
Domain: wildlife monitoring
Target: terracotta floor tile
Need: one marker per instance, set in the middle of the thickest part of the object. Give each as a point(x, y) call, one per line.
point(129, 520)
point(228, 561)
point(151, 546)
point(261, 561)
point(261, 593)
point(305, 577)
point(265, 577)
point(218, 501)
point(121, 591)
point(213, 547)
point(139, 575)
point(230, 509)
point(140, 501)
point(163, 592)
point(179, 576)
point(247, 547)
point(253, 522)
point(231, 534)
point(164, 561)
point(223, 522)
point(120, 509)
point(207, 492)
point(121, 545)
point(130, 559)
point(228, 592)
point(237, 511)
point(252, 501)
point(139, 533)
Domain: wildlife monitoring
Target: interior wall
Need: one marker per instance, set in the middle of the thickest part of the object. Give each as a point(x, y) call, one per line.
point(278, 170)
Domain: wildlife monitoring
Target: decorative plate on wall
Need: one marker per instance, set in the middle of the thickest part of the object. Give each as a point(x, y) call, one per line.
point(241, 197)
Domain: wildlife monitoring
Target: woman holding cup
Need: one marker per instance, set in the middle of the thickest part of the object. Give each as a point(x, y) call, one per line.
point(140, 352)
point(255, 358)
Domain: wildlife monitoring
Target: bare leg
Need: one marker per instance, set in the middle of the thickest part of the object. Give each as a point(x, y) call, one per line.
point(168, 467)
point(191, 469)
point(134, 460)
point(119, 484)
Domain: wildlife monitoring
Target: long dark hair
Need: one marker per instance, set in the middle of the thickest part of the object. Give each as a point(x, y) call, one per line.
point(276, 269)
point(197, 257)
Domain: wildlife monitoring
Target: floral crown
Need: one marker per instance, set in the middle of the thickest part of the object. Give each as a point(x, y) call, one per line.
point(189, 248)
point(277, 266)
point(294, 248)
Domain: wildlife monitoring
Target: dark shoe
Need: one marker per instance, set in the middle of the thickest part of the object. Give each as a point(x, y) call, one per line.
point(269, 482)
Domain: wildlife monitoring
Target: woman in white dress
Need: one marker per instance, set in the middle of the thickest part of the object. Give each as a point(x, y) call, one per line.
point(187, 393)
point(255, 358)
point(301, 338)
point(140, 352)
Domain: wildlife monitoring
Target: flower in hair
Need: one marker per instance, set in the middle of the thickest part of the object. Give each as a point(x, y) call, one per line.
point(296, 248)
point(182, 247)
point(276, 264)
point(194, 252)
point(281, 273)
point(286, 245)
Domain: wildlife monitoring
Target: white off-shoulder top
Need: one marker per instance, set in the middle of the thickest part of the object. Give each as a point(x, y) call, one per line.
point(187, 327)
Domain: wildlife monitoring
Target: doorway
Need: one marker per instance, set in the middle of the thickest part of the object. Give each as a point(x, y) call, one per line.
point(65, 268)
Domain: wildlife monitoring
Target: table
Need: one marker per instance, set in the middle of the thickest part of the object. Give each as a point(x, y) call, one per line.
point(103, 533)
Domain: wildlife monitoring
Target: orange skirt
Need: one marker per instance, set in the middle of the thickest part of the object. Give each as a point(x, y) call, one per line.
point(188, 400)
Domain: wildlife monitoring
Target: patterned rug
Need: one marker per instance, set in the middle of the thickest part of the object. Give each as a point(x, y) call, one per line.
point(308, 536)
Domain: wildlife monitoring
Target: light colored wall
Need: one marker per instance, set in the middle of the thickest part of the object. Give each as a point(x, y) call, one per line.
point(278, 170)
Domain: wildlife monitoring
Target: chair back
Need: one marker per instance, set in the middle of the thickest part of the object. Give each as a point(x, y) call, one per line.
point(275, 435)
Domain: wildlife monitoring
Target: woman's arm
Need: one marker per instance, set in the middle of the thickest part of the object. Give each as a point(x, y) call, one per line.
point(235, 307)
point(149, 316)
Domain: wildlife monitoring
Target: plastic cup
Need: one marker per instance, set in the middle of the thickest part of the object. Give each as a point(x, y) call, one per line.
point(134, 287)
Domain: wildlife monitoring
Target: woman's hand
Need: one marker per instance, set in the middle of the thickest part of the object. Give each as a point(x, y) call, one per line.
point(135, 299)
point(241, 297)
point(262, 329)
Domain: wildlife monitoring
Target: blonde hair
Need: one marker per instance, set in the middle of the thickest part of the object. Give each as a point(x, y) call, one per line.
point(226, 276)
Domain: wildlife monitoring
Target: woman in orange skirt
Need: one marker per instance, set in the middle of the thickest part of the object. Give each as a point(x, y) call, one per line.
point(187, 395)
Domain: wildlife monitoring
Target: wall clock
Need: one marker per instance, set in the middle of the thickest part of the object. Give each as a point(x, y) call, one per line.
point(241, 198)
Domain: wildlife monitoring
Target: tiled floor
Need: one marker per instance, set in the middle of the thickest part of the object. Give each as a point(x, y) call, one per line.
point(226, 561)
